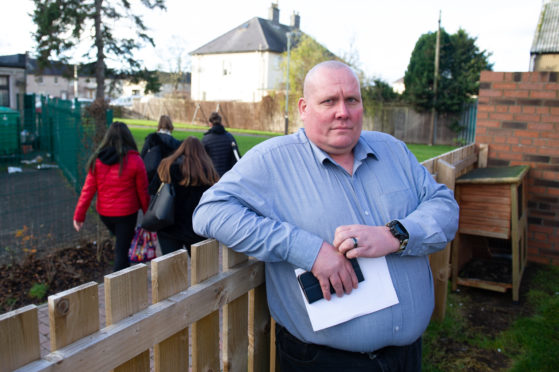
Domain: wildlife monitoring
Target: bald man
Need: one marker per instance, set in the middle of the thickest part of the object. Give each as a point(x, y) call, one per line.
point(319, 197)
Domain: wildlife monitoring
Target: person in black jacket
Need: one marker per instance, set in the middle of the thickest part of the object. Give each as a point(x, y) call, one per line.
point(159, 145)
point(220, 145)
point(191, 172)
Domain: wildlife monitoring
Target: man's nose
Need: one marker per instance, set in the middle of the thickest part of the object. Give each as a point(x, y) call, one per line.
point(341, 110)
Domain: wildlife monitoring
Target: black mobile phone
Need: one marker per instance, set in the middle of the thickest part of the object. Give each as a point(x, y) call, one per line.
point(311, 286)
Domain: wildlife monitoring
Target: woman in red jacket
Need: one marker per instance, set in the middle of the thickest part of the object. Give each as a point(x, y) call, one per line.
point(117, 174)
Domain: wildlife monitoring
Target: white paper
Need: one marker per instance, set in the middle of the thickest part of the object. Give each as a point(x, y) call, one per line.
point(374, 293)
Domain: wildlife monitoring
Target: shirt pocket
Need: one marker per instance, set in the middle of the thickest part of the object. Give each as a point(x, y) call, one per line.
point(398, 203)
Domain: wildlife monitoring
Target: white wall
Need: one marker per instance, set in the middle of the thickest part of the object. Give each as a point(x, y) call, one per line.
point(245, 77)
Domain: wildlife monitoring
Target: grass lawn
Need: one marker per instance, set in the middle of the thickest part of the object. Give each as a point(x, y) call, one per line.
point(246, 139)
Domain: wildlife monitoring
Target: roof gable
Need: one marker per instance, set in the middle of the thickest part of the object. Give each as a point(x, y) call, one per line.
point(256, 34)
point(546, 38)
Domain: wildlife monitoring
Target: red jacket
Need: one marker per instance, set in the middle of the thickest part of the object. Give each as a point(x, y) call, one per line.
point(116, 195)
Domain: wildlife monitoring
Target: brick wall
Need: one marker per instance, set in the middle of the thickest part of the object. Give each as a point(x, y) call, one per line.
point(518, 116)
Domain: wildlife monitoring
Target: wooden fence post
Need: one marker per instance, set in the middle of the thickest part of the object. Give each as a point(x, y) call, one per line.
point(440, 261)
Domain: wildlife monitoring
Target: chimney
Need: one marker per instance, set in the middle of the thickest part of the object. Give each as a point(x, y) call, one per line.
point(295, 21)
point(273, 14)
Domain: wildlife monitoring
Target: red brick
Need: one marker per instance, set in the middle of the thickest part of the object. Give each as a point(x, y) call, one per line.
point(526, 133)
point(505, 85)
point(527, 117)
point(488, 123)
point(485, 108)
point(540, 127)
point(513, 140)
point(501, 116)
point(550, 118)
point(554, 110)
point(552, 86)
point(498, 147)
point(491, 93)
point(539, 259)
point(525, 141)
point(545, 94)
point(491, 76)
point(516, 109)
point(482, 115)
point(542, 110)
point(517, 93)
point(528, 109)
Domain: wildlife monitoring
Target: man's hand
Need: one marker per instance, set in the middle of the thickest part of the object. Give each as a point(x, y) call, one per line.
point(331, 267)
point(372, 241)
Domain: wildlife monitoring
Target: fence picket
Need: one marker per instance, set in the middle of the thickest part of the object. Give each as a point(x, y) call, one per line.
point(73, 314)
point(169, 276)
point(19, 343)
point(126, 294)
point(205, 332)
point(235, 322)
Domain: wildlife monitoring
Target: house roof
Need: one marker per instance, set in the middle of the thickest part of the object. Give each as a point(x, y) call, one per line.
point(13, 60)
point(546, 37)
point(256, 34)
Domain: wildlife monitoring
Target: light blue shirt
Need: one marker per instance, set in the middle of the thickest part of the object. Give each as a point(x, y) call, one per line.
point(286, 196)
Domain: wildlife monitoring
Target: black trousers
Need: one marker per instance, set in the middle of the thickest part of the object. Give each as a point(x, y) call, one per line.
point(123, 228)
point(297, 356)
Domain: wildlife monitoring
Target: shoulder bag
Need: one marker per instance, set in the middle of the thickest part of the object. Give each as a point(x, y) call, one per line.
point(161, 210)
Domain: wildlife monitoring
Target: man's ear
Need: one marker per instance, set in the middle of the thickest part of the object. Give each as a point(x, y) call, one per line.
point(302, 106)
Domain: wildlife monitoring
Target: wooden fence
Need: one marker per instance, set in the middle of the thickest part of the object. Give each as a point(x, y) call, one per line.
point(135, 331)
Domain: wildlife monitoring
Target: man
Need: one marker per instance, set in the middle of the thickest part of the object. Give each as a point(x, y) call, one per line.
point(315, 198)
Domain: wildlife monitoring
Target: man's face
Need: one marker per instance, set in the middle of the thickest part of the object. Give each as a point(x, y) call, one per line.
point(332, 110)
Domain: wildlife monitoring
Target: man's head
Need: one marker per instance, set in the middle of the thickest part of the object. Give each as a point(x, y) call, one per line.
point(331, 107)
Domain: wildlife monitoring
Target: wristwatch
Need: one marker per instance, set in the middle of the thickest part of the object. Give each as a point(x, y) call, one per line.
point(399, 233)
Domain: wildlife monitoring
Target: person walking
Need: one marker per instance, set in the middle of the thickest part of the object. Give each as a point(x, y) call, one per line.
point(191, 172)
point(220, 145)
point(116, 173)
point(316, 199)
point(159, 145)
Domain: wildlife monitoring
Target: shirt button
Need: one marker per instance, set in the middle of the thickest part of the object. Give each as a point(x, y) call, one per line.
point(396, 329)
point(366, 213)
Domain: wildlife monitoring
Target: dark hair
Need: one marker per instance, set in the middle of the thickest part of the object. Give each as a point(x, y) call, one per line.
point(166, 123)
point(119, 137)
point(196, 167)
point(215, 118)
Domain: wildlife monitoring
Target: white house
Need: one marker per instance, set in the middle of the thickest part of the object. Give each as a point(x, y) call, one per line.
point(243, 64)
point(12, 79)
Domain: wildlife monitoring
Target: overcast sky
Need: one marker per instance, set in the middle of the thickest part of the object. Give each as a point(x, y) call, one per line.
point(383, 32)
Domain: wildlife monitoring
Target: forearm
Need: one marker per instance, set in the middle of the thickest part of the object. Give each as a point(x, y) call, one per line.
point(245, 231)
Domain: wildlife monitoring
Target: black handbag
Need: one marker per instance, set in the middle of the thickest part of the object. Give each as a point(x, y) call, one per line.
point(161, 210)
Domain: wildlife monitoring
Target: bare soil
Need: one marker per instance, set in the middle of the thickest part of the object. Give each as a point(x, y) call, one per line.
point(61, 270)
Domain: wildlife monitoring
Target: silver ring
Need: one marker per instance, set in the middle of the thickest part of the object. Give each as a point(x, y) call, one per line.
point(354, 241)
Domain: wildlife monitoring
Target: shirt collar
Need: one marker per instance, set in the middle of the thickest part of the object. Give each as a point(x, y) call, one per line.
point(360, 152)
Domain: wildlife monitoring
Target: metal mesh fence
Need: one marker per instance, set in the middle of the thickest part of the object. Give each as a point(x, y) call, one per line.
point(41, 179)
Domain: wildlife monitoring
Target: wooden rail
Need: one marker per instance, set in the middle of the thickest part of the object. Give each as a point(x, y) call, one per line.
point(233, 296)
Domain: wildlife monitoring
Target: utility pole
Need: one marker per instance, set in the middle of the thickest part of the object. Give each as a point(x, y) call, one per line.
point(287, 85)
point(433, 126)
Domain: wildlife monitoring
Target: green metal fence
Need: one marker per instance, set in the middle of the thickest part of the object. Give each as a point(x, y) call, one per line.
point(41, 179)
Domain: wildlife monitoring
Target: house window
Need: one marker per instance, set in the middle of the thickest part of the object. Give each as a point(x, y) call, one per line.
point(4, 91)
point(39, 79)
point(226, 68)
point(56, 79)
